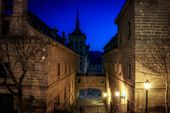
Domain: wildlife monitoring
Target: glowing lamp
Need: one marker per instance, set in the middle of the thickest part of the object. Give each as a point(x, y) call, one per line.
point(147, 85)
point(104, 94)
point(117, 94)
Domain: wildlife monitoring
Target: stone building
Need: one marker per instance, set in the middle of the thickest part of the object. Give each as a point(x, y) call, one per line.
point(140, 23)
point(50, 81)
point(77, 42)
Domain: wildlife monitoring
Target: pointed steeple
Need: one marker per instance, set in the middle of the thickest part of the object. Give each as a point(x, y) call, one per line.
point(77, 21)
point(77, 30)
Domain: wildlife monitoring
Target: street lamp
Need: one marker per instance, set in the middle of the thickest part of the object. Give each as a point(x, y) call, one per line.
point(117, 94)
point(147, 86)
point(105, 94)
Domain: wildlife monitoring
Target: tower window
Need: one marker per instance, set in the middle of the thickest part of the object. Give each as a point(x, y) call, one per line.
point(7, 7)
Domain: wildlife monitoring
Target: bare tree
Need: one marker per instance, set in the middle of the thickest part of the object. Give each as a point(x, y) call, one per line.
point(156, 61)
point(16, 53)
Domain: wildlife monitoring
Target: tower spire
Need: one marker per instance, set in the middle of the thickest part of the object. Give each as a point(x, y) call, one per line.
point(77, 21)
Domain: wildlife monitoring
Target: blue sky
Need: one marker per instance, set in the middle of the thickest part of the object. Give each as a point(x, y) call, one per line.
point(96, 17)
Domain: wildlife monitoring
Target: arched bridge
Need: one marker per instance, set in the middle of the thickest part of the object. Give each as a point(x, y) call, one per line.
point(90, 81)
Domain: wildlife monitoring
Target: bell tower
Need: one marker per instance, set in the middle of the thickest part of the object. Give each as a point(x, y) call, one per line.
point(77, 42)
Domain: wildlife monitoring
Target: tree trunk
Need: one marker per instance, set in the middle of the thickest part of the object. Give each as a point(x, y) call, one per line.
point(20, 100)
point(166, 97)
point(20, 105)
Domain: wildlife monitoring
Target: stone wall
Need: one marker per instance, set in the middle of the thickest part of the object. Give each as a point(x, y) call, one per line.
point(119, 63)
point(151, 23)
point(118, 81)
point(91, 81)
point(61, 84)
point(43, 83)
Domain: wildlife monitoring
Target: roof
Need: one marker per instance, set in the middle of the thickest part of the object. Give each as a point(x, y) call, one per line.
point(77, 30)
point(39, 25)
point(111, 44)
point(122, 10)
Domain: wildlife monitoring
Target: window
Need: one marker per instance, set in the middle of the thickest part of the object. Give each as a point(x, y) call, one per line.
point(58, 69)
point(81, 42)
point(69, 87)
point(129, 71)
point(58, 100)
point(169, 23)
point(79, 81)
point(65, 93)
point(65, 68)
point(116, 68)
point(128, 105)
point(120, 38)
point(3, 70)
point(7, 7)
point(5, 26)
point(102, 81)
point(73, 84)
point(72, 97)
point(69, 68)
point(119, 69)
point(129, 28)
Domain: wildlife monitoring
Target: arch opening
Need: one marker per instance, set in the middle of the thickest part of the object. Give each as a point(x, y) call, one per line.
point(90, 93)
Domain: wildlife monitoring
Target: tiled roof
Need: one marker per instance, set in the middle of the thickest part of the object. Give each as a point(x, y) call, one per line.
point(39, 25)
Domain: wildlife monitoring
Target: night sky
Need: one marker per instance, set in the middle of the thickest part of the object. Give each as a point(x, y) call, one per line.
point(96, 17)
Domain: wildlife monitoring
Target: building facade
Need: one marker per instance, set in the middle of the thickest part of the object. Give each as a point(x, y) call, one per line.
point(77, 42)
point(140, 23)
point(49, 83)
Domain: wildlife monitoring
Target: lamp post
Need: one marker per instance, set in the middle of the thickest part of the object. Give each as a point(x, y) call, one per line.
point(147, 86)
point(117, 94)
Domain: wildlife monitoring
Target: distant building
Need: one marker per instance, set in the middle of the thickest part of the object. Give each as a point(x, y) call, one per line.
point(95, 62)
point(77, 42)
point(140, 22)
point(49, 84)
